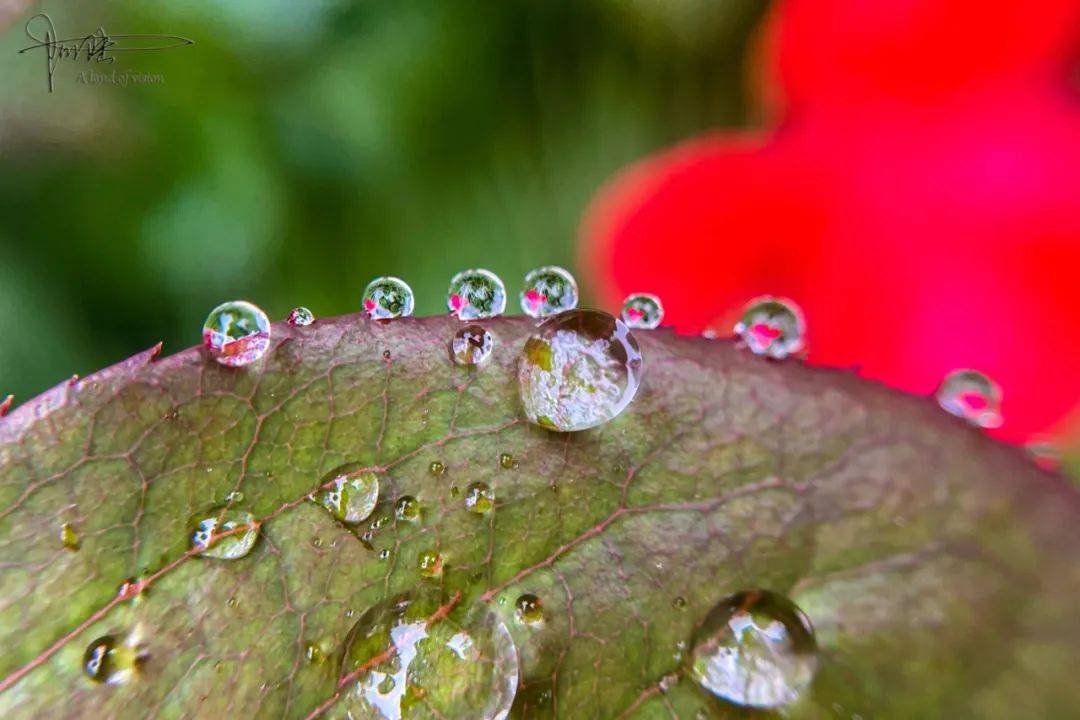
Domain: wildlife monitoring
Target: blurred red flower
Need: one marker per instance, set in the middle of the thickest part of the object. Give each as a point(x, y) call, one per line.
point(919, 197)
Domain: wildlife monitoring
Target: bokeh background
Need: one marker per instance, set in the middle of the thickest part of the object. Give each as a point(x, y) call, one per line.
point(299, 149)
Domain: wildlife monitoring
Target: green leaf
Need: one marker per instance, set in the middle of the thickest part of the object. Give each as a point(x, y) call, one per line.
point(938, 567)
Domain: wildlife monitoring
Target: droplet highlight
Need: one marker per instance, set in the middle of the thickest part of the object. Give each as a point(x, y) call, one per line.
point(476, 294)
point(773, 327)
point(471, 345)
point(578, 370)
point(973, 396)
point(300, 316)
point(236, 333)
point(479, 498)
point(418, 664)
point(548, 291)
point(755, 649)
point(642, 311)
point(224, 533)
point(386, 298)
point(350, 498)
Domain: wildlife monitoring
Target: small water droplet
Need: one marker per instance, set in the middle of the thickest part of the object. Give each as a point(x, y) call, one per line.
point(232, 601)
point(407, 508)
point(548, 291)
point(416, 666)
point(678, 602)
point(667, 682)
point(772, 326)
point(642, 311)
point(316, 542)
point(529, 610)
point(436, 468)
point(300, 316)
point(454, 491)
point(110, 659)
point(69, 538)
point(476, 294)
point(578, 370)
point(430, 563)
point(471, 345)
point(1045, 454)
point(236, 333)
point(506, 461)
point(313, 654)
point(970, 395)
point(386, 298)
point(755, 649)
point(479, 498)
point(350, 498)
point(234, 497)
point(224, 533)
point(384, 554)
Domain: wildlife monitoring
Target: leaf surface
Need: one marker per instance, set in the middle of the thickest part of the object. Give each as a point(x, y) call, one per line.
point(938, 567)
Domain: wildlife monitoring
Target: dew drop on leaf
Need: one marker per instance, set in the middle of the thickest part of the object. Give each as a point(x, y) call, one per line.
point(578, 370)
point(755, 649)
point(418, 665)
point(436, 468)
point(476, 294)
point(109, 659)
point(69, 538)
point(313, 654)
point(386, 298)
point(209, 538)
point(429, 563)
point(973, 396)
point(236, 333)
point(471, 345)
point(479, 498)
point(529, 610)
point(548, 291)
point(773, 327)
point(349, 498)
point(642, 311)
point(407, 508)
point(300, 316)
point(506, 461)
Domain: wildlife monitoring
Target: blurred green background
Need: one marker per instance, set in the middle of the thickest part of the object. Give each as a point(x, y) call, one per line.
point(299, 149)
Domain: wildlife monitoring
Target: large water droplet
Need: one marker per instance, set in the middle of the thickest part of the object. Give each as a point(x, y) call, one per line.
point(972, 396)
point(387, 297)
point(476, 294)
point(110, 659)
point(479, 498)
point(548, 291)
point(224, 533)
point(69, 538)
point(756, 649)
point(471, 345)
point(236, 333)
point(529, 610)
point(642, 311)
point(300, 316)
point(350, 498)
point(772, 326)
point(578, 370)
point(418, 664)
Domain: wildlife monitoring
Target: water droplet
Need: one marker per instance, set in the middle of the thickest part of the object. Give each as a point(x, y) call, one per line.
point(387, 297)
point(110, 660)
point(972, 396)
point(506, 461)
point(69, 538)
point(548, 291)
point(350, 498)
point(234, 497)
point(642, 311)
point(755, 649)
point(479, 498)
point(476, 294)
point(1045, 454)
point(678, 602)
point(772, 326)
point(430, 563)
point(407, 508)
point(529, 610)
point(313, 654)
point(232, 601)
point(436, 468)
point(300, 316)
point(316, 542)
point(384, 554)
point(454, 491)
point(578, 370)
point(236, 333)
point(419, 664)
point(471, 345)
point(209, 536)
